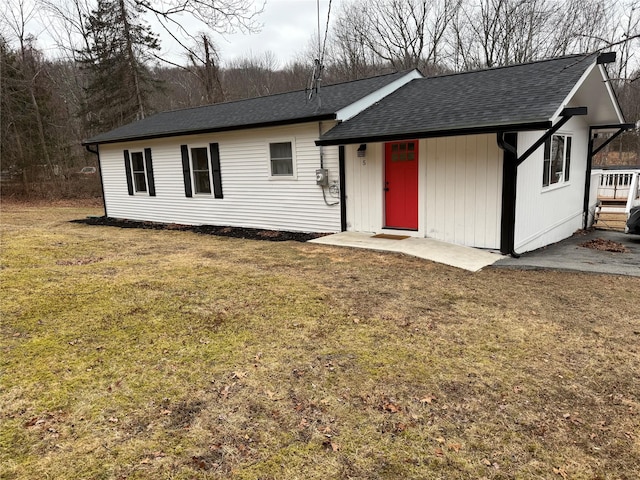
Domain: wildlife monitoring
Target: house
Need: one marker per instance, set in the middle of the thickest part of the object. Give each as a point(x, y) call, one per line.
point(249, 163)
point(497, 158)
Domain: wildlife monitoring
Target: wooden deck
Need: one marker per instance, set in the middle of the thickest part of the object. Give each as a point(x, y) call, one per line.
point(611, 214)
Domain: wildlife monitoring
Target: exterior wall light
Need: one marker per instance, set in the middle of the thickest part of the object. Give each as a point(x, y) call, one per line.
point(362, 150)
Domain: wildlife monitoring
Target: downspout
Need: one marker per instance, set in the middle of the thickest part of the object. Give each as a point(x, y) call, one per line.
point(96, 152)
point(343, 194)
point(508, 141)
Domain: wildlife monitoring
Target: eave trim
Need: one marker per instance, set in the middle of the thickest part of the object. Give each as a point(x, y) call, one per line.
point(436, 133)
point(294, 121)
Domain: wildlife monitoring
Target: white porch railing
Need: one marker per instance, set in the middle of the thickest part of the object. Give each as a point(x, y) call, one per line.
point(619, 185)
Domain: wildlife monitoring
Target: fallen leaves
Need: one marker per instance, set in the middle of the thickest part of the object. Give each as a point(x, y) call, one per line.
point(560, 471)
point(331, 446)
point(428, 399)
point(391, 407)
point(489, 463)
point(456, 447)
point(605, 245)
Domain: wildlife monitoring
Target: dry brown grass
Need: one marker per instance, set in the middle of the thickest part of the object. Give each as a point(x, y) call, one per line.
point(167, 354)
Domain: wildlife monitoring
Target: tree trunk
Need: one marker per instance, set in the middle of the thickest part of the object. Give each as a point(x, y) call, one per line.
point(133, 62)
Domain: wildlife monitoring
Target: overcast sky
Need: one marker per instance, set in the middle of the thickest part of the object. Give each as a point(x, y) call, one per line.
point(288, 28)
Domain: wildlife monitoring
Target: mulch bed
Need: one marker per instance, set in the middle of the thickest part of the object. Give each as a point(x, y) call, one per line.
point(605, 245)
point(236, 232)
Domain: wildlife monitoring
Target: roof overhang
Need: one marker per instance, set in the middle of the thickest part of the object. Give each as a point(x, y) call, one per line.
point(181, 133)
point(589, 89)
point(518, 127)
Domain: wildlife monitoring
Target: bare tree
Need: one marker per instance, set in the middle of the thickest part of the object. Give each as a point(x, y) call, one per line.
point(204, 64)
point(404, 33)
point(30, 65)
point(348, 52)
point(251, 76)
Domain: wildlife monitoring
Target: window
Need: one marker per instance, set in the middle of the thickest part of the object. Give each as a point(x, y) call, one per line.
point(557, 160)
point(403, 152)
point(200, 165)
point(139, 170)
point(139, 174)
point(281, 155)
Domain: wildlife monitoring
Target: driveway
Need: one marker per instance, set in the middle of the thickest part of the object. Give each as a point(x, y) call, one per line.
point(571, 256)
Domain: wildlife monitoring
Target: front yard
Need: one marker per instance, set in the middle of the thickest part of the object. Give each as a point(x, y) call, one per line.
point(147, 354)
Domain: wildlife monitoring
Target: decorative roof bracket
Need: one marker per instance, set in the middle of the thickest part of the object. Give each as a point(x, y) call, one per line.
point(566, 115)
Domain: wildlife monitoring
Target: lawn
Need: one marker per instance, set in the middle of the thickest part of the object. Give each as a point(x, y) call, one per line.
point(144, 354)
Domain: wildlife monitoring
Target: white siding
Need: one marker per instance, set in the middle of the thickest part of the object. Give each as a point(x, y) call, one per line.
point(251, 197)
point(460, 185)
point(464, 190)
point(548, 215)
point(364, 188)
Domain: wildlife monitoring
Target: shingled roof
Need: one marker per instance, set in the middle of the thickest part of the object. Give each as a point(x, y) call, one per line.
point(519, 96)
point(279, 109)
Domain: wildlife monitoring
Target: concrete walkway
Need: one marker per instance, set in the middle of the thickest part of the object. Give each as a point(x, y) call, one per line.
point(467, 258)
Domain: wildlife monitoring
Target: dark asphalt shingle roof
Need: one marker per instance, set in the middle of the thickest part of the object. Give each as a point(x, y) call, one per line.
point(285, 108)
point(466, 102)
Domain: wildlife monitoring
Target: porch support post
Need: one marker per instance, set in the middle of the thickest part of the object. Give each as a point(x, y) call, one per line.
point(587, 181)
point(508, 142)
point(343, 193)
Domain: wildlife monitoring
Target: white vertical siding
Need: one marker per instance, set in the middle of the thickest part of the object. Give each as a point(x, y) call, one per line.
point(460, 182)
point(464, 190)
point(548, 215)
point(251, 198)
point(364, 179)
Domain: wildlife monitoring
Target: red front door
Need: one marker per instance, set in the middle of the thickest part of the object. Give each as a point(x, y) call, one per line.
point(401, 185)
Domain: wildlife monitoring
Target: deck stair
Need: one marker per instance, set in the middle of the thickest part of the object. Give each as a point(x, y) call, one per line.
point(611, 214)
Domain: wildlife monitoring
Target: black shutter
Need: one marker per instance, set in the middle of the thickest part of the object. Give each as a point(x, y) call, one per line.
point(546, 166)
point(214, 151)
point(149, 165)
point(127, 168)
point(567, 160)
point(186, 170)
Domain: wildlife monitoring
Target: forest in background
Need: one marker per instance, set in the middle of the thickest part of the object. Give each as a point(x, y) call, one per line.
point(108, 70)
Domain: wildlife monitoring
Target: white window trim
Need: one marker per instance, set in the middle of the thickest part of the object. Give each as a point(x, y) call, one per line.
point(294, 164)
point(193, 171)
point(133, 173)
point(562, 183)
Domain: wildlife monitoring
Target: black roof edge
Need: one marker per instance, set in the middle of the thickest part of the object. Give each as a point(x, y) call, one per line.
point(438, 133)
point(290, 121)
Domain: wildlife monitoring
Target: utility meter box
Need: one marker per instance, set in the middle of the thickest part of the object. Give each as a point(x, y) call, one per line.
point(322, 177)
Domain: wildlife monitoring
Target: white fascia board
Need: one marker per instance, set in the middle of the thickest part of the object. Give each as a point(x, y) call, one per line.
point(612, 95)
point(355, 108)
point(576, 87)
